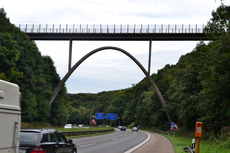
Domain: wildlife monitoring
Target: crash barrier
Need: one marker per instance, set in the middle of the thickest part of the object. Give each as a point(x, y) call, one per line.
point(161, 132)
point(85, 132)
point(188, 149)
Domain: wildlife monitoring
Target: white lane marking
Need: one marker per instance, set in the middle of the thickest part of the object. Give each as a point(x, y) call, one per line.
point(115, 139)
point(91, 144)
point(134, 148)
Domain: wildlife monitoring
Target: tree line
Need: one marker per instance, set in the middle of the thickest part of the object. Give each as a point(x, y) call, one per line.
point(197, 88)
point(21, 63)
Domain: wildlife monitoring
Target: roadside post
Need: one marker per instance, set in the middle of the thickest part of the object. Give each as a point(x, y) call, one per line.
point(193, 144)
point(198, 134)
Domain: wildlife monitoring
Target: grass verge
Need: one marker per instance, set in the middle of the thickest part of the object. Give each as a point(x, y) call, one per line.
point(206, 146)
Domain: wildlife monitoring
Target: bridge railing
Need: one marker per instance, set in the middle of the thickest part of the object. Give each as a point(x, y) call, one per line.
point(108, 28)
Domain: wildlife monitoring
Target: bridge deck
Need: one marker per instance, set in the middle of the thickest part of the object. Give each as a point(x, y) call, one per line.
point(119, 37)
point(114, 32)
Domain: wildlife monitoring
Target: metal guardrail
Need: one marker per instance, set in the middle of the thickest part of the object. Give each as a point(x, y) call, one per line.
point(109, 28)
point(188, 149)
point(82, 132)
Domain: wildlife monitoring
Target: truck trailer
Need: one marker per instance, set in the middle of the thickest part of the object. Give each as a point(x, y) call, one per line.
point(10, 117)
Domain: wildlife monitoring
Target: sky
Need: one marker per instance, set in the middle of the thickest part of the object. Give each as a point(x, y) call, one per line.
point(111, 70)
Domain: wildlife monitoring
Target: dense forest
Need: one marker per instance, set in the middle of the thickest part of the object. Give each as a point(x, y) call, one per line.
point(197, 88)
point(22, 63)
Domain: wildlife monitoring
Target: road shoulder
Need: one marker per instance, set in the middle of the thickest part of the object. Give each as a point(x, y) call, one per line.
point(156, 144)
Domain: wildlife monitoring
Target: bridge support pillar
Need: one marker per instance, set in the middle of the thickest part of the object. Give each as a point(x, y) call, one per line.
point(70, 54)
point(150, 50)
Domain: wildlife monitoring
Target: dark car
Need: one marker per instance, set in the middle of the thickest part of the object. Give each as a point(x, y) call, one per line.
point(123, 128)
point(44, 141)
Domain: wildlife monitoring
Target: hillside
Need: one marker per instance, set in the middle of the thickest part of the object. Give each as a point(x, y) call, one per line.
point(21, 63)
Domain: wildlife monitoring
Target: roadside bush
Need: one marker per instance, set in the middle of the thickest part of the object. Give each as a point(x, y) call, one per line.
point(132, 125)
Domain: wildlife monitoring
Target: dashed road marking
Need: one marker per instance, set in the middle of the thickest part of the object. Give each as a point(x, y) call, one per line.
point(91, 144)
point(115, 139)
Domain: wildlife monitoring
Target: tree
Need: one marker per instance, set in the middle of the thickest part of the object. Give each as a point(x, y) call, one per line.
point(22, 63)
point(216, 71)
point(9, 55)
point(218, 25)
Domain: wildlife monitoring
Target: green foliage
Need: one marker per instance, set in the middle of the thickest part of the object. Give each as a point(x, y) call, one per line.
point(73, 114)
point(22, 63)
point(9, 55)
point(225, 144)
point(218, 25)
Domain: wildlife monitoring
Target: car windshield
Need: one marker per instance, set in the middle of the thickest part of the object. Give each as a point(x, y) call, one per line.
point(28, 137)
point(49, 137)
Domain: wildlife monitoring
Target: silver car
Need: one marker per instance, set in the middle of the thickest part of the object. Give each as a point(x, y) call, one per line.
point(135, 129)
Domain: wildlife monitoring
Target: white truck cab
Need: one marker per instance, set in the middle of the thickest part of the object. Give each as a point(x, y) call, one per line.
point(10, 117)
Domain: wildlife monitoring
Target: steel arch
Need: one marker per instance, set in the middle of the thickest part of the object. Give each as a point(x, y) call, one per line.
point(60, 85)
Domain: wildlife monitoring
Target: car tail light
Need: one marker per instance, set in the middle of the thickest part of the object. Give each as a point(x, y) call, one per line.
point(38, 150)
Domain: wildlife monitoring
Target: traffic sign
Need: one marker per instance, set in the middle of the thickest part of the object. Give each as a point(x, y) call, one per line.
point(93, 122)
point(175, 127)
point(99, 116)
point(172, 125)
point(111, 116)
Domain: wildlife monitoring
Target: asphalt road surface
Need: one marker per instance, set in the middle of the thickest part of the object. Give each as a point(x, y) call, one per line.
point(118, 142)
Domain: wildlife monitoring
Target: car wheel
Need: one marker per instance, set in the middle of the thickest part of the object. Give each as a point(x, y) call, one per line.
point(74, 151)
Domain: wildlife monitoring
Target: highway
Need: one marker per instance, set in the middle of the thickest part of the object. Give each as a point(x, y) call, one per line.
point(118, 142)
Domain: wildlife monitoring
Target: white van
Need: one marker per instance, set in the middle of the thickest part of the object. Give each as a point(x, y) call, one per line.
point(10, 117)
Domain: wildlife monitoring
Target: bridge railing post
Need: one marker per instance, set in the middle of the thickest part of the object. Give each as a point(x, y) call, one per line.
point(196, 28)
point(175, 28)
point(182, 28)
point(134, 27)
point(32, 30)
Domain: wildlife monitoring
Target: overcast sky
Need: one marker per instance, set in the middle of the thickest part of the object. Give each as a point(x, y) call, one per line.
point(110, 70)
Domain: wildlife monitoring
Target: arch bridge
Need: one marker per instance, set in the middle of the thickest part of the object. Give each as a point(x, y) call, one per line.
point(127, 32)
